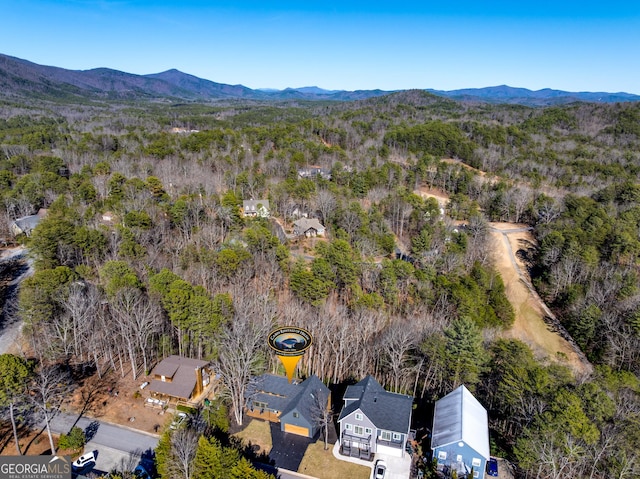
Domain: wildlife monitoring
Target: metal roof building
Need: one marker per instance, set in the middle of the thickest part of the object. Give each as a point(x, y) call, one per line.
point(460, 435)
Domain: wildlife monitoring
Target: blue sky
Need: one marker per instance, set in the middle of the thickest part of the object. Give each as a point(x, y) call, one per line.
point(567, 45)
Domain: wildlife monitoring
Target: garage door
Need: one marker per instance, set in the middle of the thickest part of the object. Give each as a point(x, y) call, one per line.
point(300, 431)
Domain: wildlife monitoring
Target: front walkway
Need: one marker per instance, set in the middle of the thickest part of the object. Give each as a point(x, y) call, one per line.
point(397, 467)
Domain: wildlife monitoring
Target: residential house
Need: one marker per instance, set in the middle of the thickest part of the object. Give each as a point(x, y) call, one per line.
point(108, 217)
point(315, 172)
point(26, 224)
point(296, 406)
point(180, 379)
point(460, 434)
point(374, 420)
point(308, 227)
point(177, 129)
point(253, 208)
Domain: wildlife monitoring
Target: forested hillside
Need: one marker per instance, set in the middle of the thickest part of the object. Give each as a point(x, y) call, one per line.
point(145, 242)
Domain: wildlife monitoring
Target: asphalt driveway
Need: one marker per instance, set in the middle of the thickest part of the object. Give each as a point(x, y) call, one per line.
point(288, 449)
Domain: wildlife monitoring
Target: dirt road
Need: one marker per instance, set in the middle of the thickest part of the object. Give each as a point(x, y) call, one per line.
point(535, 324)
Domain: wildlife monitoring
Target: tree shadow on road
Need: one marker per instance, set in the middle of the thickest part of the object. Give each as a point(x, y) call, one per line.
point(91, 430)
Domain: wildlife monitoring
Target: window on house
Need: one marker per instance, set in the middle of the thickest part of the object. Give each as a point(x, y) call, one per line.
point(260, 404)
point(367, 430)
point(475, 462)
point(385, 435)
point(347, 427)
point(397, 436)
point(295, 414)
point(359, 417)
point(459, 458)
point(358, 430)
point(476, 473)
point(442, 455)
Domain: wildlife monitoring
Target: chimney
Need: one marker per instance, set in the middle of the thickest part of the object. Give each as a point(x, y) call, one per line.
point(198, 389)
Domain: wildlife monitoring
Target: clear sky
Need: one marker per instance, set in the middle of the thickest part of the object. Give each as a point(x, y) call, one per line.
point(347, 45)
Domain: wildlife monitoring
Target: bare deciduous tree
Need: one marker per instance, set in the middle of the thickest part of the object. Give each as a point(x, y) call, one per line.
point(184, 445)
point(321, 414)
point(138, 318)
point(49, 388)
point(325, 203)
point(240, 345)
point(400, 337)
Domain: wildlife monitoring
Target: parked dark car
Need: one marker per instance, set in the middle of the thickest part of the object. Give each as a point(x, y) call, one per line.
point(141, 473)
point(492, 467)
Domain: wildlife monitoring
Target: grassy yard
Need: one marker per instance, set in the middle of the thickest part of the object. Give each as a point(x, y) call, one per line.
point(321, 464)
point(257, 432)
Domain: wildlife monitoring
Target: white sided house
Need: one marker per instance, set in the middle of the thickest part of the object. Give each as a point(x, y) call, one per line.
point(255, 208)
point(460, 436)
point(373, 421)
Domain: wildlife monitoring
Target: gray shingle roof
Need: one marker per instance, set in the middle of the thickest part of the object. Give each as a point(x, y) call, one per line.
point(304, 224)
point(387, 410)
point(280, 395)
point(305, 401)
point(274, 390)
point(252, 205)
point(26, 224)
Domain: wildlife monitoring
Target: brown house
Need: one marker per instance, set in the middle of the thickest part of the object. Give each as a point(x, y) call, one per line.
point(308, 227)
point(180, 378)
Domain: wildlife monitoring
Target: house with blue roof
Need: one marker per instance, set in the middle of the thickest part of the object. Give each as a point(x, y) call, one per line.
point(460, 434)
point(374, 420)
point(297, 406)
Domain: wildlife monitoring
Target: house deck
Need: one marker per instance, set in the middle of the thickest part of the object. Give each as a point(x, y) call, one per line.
point(354, 446)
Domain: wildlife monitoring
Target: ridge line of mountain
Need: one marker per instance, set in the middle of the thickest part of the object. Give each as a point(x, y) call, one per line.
point(22, 78)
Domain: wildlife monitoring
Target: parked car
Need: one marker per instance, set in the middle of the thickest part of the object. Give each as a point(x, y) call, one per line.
point(141, 473)
point(492, 467)
point(178, 421)
point(84, 463)
point(380, 469)
point(146, 469)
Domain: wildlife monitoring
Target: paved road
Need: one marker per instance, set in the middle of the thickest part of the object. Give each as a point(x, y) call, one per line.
point(105, 434)
point(10, 323)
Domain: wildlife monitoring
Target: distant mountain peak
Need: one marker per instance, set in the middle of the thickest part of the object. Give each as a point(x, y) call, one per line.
point(23, 78)
point(315, 90)
point(524, 96)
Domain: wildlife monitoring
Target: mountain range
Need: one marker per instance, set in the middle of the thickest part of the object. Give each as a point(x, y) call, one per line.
point(23, 79)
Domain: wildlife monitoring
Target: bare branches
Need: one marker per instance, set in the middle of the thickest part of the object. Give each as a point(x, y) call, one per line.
point(49, 388)
point(240, 346)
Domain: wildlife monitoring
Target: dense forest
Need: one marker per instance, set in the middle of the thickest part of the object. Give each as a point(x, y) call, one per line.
point(144, 240)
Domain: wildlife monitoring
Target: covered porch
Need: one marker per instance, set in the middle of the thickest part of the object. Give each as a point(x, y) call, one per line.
point(356, 446)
